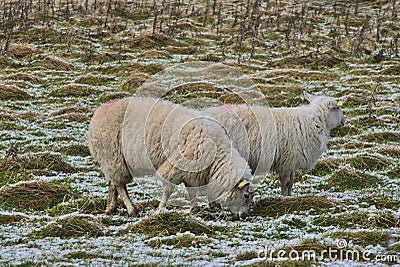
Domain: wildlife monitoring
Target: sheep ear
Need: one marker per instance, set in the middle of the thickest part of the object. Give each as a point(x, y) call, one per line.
point(339, 101)
point(342, 99)
point(243, 184)
point(307, 96)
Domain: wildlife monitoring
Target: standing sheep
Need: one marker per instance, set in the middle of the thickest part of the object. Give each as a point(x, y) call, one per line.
point(144, 136)
point(282, 140)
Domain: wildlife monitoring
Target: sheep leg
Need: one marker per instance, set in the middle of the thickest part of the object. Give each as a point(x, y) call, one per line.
point(214, 204)
point(112, 198)
point(123, 192)
point(168, 188)
point(290, 184)
point(285, 180)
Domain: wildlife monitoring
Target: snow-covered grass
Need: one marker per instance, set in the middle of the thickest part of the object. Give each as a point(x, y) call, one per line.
point(56, 67)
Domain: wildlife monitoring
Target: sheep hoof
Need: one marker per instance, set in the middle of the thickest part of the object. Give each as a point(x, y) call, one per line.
point(110, 211)
point(215, 205)
point(133, 213)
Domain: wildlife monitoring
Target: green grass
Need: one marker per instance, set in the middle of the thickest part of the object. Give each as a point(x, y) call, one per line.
point(58, 64)
point(382, 137)
point(43, 161)
point(362, 238)
point(95, 80)
point(359, 219)
point(73, 90)
point(33, 196)
point(383, 201)
point(348, 178)
point(74, 150)
point(169, 223)
point(326, 166)
point(280, 206)
point(369, 162)
point(72, 226)
point(9, 219)
point(11, 177)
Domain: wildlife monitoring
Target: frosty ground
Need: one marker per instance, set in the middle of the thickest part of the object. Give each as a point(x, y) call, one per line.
point(60, 60)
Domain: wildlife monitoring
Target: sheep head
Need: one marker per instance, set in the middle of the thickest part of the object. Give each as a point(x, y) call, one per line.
point(240, 199)
point(331, 109)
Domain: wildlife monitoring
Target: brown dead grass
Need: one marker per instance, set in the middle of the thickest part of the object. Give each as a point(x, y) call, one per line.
point(22, 51)
point(72, 109)
point(73, 90)
point(45, 161)
point(277, 207)
point(169, 223)
point(52, 63)
point(72, 226)
point(8, 92)
point(33, 195)
point(24, 77)
point(134, 81)
point(148, 40)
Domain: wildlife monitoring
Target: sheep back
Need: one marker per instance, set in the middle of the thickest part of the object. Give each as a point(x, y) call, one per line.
point(301, 139)
point(252, 130)
point(180, 145)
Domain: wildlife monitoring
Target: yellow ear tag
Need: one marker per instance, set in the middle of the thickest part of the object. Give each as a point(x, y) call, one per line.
point(340, 103)
point(242, 184)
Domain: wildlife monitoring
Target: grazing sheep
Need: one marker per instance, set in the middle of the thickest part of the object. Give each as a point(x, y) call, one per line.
point(144, 136)
point(282, 140)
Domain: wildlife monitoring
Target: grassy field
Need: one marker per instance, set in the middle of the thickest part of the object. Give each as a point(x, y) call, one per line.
point(61, 59)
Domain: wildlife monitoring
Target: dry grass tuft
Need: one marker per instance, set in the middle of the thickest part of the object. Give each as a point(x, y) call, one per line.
point(204, 90)
point(72, 226)
point(326, 166)
point(108, 97)
point(73, 90)
point(169, 223)
point(314, 61)
point(74, 150)
point(369, 162)
point(359, 219)
point(91, 79)
point(72, 109)
point(348, 178)
point(52, 63)
point(11, 218)
point(363, 238)
point(21, 51)
point(280, 206)
point(73, 113)
point(8, 92)
point(33, 195)
point(74, 117)
point(381, 137)
point(45, 161)
point(150, 40)
point(20, 76)
point(134, 81)
point(82, 205)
